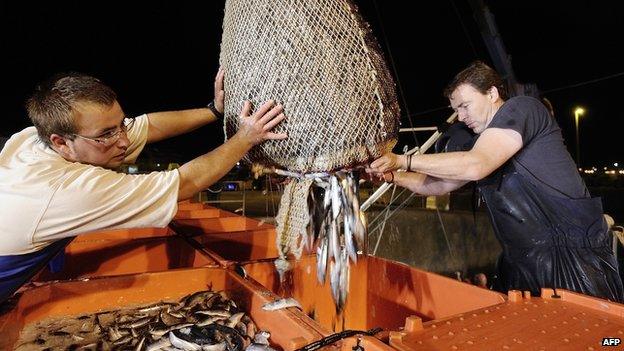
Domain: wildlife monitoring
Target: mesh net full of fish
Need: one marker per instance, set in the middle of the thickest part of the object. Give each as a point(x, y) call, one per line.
point(319, 59)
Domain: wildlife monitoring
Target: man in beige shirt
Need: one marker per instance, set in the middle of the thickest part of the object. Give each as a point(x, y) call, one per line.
point(57, 178)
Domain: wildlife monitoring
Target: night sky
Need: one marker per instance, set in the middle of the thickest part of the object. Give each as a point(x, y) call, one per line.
point(164, 56)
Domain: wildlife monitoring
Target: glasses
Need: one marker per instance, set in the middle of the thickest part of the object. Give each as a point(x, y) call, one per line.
point(110, 138)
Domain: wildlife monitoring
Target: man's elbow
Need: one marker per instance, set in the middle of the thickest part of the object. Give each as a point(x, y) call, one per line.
point(184, 193)
point(476, 173)
point(187, 187)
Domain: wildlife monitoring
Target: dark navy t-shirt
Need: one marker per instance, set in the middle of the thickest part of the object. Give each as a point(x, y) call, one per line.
point(543, 157)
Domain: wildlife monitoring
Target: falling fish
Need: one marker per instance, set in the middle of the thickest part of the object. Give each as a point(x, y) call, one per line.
point(281, 303)
point(338, 228)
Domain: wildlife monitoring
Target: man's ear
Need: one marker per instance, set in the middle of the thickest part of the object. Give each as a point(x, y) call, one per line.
point(493, 94)
point(59, 144)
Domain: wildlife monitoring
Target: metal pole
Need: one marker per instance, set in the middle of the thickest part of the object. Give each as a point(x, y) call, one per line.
point(578, 145)
point(418, 129)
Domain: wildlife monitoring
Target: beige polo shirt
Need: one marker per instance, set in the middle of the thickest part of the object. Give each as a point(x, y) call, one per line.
point(44, 198)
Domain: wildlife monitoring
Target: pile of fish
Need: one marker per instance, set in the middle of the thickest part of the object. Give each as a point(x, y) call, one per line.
point(338, 229)
point(204, 320)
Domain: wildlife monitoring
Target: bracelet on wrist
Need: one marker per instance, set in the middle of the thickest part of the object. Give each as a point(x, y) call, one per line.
point(211, 107)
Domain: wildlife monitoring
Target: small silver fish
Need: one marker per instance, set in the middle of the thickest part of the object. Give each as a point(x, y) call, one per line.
point(321, 263)
point(217, 313)
point(234, 319)
point(262, 337)
point(168, 319)
point(335, 198)
point(215, 347)
point(334, 280)
point(159, 345)
point(208, 321)
point(334, 241)
point(281, 303)
point(348, 238)
point(139, 346)
point(183, 344)
point(259, 347)
point(343, 287)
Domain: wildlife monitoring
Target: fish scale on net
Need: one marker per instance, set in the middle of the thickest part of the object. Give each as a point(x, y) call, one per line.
point(204, 320)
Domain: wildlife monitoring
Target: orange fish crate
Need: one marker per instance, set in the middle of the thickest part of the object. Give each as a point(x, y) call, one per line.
point(382, 293)
point(194, 210)
point(69, 298)
point(230, 238)
point(103, 254)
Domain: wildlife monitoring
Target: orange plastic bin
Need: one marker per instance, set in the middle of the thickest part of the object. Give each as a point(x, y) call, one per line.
point(287, 329)
point(194, 210)
point(229, 238)
point(382, 293)
point(125, 252)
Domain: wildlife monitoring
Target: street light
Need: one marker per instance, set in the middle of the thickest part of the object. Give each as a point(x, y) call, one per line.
point(578, 112)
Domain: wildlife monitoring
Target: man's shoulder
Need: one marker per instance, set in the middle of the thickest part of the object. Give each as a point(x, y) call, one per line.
point(524, 100)
point(26, 147)
point(26, 133)
point(25, 159)
point(527, 109)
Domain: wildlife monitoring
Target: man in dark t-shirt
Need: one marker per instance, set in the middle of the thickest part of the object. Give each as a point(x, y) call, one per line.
point(543, 153)
point(552, 232)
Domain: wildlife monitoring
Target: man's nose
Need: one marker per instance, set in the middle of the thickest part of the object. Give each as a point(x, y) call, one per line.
point(461, 115)
point(123, 141)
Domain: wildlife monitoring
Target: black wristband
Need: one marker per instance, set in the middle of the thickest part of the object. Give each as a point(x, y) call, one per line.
point(211, 107)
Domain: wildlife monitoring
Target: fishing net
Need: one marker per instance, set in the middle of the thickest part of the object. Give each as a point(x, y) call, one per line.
point(319, 59)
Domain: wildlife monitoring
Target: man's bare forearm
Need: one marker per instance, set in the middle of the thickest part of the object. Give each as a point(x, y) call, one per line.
point(207, 169)
point(426, 185)
point(163, 125)
point(461, 166)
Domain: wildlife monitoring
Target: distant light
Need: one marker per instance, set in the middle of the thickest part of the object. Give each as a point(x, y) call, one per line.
point(579, 111)
point(158, 165)
point(615, 164)
point(605, 168)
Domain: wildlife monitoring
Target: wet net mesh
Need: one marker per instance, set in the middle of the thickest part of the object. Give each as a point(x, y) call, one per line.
point(317, 58)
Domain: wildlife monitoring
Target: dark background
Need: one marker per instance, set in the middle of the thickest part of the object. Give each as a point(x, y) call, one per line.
point(164, 54)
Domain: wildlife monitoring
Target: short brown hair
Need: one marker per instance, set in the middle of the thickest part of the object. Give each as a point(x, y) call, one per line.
point(51, 106)
point(481, 77)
